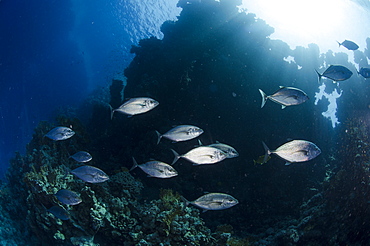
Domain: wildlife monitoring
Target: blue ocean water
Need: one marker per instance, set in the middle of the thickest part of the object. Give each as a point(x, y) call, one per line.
point(205, 68)
point(54, 53)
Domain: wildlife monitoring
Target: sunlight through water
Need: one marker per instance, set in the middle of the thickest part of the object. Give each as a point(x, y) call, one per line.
point(323, 22)
point(299, 22)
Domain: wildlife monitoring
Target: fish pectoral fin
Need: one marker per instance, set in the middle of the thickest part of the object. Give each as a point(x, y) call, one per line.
point(305, 152)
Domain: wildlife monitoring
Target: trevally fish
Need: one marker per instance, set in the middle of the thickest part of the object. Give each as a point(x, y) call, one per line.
point(60, 133)
point(90, 174)
point(156, 169)
point(68, 197)
point(294, 151)
point(260, 160)
point(365, 72)
point(349, 45)
point(336, 73)
point(213, 201)
point(181, 133)
point(59, 212)
point(227, 149)
point(81, 156)
point(285, 96)
point(201, 155)
point(138, 105)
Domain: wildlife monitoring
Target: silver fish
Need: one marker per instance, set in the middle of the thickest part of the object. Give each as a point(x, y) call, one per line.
point(336, 73)
point(82, 156)
point(59, 212)
point(156, 169)
point(365, 72)
point(201, 155)
point(285, 96)
point(137, 105)
point(181, 133)
point(90, 174)
point(349, 45)
point(213, 201)
point(294, 151)
point(68, 197)
point(60, 133)
point(227, 149)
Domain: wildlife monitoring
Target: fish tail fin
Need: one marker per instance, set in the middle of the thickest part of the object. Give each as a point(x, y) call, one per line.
point(267, 152)
point(264, 98)
point(159, 137)
point(111, 111)
point(135, 165)
point(318, 74)
point(185, 201)
point(200, 142)
point(177, 156)
point(339, 43)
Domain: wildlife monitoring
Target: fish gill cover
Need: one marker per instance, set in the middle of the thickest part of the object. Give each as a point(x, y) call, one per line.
point(206, 71)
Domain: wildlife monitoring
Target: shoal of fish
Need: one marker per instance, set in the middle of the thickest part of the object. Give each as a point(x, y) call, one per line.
point(293, 151)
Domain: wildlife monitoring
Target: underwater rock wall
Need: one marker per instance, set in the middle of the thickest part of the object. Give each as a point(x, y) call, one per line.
point(207, 71)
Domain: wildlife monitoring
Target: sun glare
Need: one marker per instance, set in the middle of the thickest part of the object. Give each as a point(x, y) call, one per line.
point(305, 18)
point(302, 22)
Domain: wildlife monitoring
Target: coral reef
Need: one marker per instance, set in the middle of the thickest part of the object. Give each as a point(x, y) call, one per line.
point(109, 214)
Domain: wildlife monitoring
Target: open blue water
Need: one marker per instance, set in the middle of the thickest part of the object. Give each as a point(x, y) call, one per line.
point(54, 53)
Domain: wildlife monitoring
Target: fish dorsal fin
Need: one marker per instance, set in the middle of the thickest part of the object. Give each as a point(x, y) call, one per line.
point(281, 87)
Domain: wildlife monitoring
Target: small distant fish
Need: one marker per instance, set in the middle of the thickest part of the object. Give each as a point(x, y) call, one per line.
point(294, 151)
point(90, 174)
point(60, 133)
point(365, 72)
point(68, 197)
point(336, 73)
point(227, 149)
point(349, 45)
point(285, 96)
point(181, 133)
point(82, 156)
point(213, 201)
point(156, 169)
point(260, 160)
point(202, 155)
point(137, 105)
point(59, 212)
